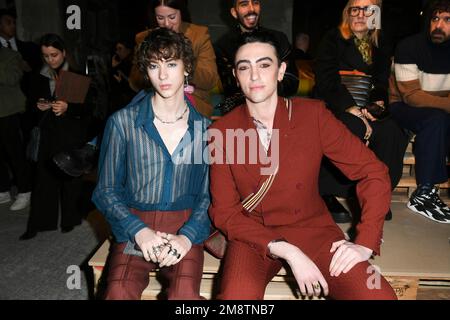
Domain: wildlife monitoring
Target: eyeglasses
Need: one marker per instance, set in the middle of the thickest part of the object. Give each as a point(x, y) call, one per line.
point(354, 11)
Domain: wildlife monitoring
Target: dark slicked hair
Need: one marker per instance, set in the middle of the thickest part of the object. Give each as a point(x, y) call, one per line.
point(164, 44)
point(260, 37)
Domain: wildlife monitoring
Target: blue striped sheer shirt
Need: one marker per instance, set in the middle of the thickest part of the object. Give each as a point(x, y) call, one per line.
point(137, 171)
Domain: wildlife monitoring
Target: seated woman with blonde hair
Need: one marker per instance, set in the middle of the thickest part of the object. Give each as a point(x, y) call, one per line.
point(356, 46)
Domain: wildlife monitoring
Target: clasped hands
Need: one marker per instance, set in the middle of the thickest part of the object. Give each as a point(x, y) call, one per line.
point(308, 276)
point(58, 107)
point(162, 248)
point(365, 116)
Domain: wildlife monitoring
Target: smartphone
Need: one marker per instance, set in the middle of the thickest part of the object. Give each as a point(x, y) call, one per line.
point(45, 101)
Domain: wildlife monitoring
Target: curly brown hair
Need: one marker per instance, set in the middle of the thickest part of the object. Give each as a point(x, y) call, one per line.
point(164, 44)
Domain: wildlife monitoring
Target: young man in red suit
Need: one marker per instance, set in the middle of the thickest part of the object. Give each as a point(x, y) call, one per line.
point(291, 222)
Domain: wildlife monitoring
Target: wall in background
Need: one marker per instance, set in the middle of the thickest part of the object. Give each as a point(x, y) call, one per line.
point(35, 18)
point(104, 21)
point(275, 14)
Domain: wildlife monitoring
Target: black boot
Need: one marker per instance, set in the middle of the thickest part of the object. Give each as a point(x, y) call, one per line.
point(29, 234)
point(339, 213)
point(66, 229)
point(77, 162)
point(388, 216)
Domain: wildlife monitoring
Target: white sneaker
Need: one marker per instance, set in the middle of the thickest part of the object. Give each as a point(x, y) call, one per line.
point(22, 201)
point(5, 197)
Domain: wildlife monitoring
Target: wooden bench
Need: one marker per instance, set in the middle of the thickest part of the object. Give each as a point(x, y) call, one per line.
point(415, 253)
point(278, 289)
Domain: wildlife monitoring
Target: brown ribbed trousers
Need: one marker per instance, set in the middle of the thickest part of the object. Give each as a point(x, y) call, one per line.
point(246, 275)
point(128, 274)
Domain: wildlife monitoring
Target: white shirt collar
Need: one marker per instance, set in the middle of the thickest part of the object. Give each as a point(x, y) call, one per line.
point(12, 41)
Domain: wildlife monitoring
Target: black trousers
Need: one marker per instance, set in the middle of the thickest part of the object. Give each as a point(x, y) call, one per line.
point(388, 142)
point(54, 189)
point(12, 156)
point(432, 142)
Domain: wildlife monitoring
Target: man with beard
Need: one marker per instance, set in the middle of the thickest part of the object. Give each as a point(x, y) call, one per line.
point(247, 14)
point(420, 102)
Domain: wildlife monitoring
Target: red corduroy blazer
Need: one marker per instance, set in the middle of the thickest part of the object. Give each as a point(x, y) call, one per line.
point(293, 208)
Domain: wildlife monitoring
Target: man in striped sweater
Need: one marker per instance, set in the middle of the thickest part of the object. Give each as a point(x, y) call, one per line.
point(420, 102)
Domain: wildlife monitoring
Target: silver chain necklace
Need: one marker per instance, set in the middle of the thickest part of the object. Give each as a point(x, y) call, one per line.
point(171, 122)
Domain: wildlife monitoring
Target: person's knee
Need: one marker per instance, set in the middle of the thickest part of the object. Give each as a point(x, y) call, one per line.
point(389, 132)
point(362, 282)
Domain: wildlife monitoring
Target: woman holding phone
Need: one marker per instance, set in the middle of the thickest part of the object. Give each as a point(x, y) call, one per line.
point(62, 127)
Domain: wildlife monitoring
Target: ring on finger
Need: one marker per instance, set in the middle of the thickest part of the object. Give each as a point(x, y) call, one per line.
point(316, 286)
point(175, 253)
point(156, 250)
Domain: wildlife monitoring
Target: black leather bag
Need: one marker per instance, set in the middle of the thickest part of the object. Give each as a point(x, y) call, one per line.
point(360, 85)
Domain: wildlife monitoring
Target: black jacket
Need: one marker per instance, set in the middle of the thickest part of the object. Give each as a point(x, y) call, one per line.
point(335, 54)
point(63, 133)
point(226, 49)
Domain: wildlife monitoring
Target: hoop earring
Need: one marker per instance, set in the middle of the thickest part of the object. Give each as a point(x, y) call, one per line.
point(186, 80)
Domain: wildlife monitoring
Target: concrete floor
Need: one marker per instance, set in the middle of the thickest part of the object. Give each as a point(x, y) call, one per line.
point(416, 246)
